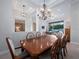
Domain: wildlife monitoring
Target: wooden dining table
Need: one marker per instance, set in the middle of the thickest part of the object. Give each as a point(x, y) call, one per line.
point(36, 46)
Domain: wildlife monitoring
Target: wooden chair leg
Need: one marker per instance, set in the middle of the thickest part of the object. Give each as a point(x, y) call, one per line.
point(22, 49)
point(61, 54)
point(57, 56)
point(64, 51)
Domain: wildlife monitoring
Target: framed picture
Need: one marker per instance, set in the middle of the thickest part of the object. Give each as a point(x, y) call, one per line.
point(19, 25)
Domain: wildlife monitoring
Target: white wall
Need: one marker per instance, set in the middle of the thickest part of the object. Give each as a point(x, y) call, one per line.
point(5, 22)
point(63, 12)
point(7, 25)
point(75, 22)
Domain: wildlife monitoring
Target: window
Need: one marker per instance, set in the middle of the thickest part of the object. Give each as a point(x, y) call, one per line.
point(56, 26)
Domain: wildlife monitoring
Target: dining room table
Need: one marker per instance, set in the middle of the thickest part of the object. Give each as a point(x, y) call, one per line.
point(36, 46)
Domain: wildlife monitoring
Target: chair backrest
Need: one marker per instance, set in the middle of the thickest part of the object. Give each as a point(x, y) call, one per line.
point(58, 43)
point(38, 34)
point(30, 35)
point(67, 32)
point(53, 52)
point(43, 33)
point(55, 49)
point(11, 47)
point(64, 41)
point(60, 34)
point(67, 38)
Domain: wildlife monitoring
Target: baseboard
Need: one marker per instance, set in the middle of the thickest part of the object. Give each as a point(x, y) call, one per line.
point(3, 52)
point(75, 43)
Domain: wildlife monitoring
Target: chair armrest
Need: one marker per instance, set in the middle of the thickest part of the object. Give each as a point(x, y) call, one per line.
point(18, 47)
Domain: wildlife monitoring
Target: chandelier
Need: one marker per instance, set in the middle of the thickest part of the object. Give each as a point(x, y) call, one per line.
point(23, 10)
point(44, 12)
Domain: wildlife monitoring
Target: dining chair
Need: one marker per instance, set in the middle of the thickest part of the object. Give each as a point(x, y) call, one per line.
point(12, 49)
point(38, 34)
point(64, 44)
point(53, 52)
point(30, 35)
point(56, 50)
point(59, 50)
